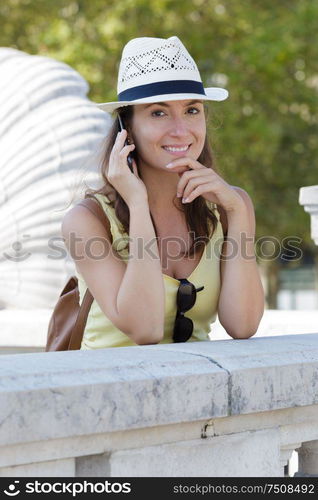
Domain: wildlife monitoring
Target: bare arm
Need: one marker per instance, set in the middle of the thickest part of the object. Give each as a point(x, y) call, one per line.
point(131, 296)
point(141, 296)
point(241, 302)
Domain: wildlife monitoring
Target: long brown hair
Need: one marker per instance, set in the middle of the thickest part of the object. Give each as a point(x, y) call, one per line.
point(197, 213)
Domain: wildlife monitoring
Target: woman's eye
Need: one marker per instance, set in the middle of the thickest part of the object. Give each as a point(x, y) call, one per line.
point(194, 111)
point(154, 112)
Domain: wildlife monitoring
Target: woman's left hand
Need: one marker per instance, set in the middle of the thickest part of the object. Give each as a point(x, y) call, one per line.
point(198, 180)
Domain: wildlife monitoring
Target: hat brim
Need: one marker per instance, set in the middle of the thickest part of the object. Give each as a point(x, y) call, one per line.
point(211, 94)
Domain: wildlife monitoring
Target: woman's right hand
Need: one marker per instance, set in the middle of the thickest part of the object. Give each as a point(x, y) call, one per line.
point(129, 185)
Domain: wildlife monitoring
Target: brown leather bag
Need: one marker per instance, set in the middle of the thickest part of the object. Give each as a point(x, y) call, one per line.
point(68, 320)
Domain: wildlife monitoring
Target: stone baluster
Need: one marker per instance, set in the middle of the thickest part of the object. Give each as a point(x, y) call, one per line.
point(308, 198)
point(308, 459)
point(285, 455)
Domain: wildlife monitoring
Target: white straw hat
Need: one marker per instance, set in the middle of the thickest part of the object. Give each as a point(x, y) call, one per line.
point(156, 70)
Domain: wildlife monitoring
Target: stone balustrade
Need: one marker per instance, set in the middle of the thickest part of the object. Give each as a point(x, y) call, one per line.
point(308, 197)
point(234, 408)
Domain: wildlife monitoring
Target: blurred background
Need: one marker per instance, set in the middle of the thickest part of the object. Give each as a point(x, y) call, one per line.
point(264, 136)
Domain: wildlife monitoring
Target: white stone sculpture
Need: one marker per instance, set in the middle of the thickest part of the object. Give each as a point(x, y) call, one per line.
point(51, 137)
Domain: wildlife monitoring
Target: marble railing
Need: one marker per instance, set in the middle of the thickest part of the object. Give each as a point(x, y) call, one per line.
point(308, 197)
point(234, 408)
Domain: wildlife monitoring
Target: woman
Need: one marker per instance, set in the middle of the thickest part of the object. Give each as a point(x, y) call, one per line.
point(153, 280)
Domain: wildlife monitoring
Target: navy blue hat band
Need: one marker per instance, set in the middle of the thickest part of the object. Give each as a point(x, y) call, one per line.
point(158, 88)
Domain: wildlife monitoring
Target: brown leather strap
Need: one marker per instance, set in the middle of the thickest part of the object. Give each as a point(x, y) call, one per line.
point(78, 330)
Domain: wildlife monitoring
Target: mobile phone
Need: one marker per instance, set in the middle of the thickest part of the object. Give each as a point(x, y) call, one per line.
point(130, 156)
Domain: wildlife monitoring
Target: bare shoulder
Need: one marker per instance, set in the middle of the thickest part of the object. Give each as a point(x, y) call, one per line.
point(246, 197)
point(249, 205)
point(79, 221)
point(80, 214)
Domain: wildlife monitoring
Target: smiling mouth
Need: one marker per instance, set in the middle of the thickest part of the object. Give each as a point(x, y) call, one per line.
point(176, 149)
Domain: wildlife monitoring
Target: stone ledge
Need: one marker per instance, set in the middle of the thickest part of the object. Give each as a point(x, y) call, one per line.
point(56, 395)
point(88, 392)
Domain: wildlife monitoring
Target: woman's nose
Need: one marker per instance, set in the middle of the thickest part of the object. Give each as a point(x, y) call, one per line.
point(179, 127)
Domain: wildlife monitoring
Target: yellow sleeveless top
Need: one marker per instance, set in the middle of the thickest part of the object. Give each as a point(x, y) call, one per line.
point(100, 332)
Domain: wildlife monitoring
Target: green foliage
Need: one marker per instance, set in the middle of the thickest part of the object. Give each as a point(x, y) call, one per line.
point(264, 52)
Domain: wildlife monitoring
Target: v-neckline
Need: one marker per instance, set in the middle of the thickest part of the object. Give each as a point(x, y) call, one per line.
point(194, 270)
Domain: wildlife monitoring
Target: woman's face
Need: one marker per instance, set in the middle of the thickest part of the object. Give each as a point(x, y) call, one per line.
point(165, 131)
